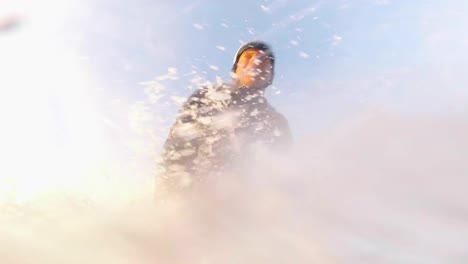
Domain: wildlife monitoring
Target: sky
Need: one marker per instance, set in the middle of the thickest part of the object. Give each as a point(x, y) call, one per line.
point(320, 46)
point(332, 56)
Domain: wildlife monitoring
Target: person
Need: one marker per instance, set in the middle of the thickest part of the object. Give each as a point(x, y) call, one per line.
point(218, 127)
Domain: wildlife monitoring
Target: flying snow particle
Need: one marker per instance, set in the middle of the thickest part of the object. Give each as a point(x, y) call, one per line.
point(219, 81)
point(221, 48)
point(196, 80)
point(233, 75)
point(303, 55)
point(198, 26)
point(214, 67)
point(254, 112)
point(171, 75)
point(224, 25)
point(383, 2)
point(294, 42)
point(154, 91)
point(186, 152)
point(172, 70)
point(336, 40)
point(265, 8)
point(178, 99)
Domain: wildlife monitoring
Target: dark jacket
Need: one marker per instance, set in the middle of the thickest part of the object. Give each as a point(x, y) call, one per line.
point(215, 131)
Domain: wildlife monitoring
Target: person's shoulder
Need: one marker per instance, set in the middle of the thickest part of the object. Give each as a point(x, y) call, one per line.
point(280, 119)
point(279, 126)
point(204, 93)
point(275, 116)
point(202, 90)
point(270, 109)
point(199, 92)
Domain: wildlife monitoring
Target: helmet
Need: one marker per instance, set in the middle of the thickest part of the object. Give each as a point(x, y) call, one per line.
point(255, 45)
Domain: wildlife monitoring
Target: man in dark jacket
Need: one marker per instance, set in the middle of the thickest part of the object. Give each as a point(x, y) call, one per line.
point(218, 127)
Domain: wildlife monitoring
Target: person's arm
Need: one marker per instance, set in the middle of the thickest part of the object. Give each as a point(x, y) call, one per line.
point(281, 133)
point(179, 150)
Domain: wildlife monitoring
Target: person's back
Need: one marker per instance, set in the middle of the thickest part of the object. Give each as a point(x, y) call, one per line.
point(217, 126)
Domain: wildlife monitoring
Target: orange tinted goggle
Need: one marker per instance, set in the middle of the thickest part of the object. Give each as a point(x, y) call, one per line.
point(252, 53)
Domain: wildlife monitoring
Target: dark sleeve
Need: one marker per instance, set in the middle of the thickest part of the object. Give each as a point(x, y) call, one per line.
point(282, 138)
point(180, 148)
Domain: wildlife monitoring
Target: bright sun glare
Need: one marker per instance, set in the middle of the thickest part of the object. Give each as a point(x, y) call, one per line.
point(52, 136)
